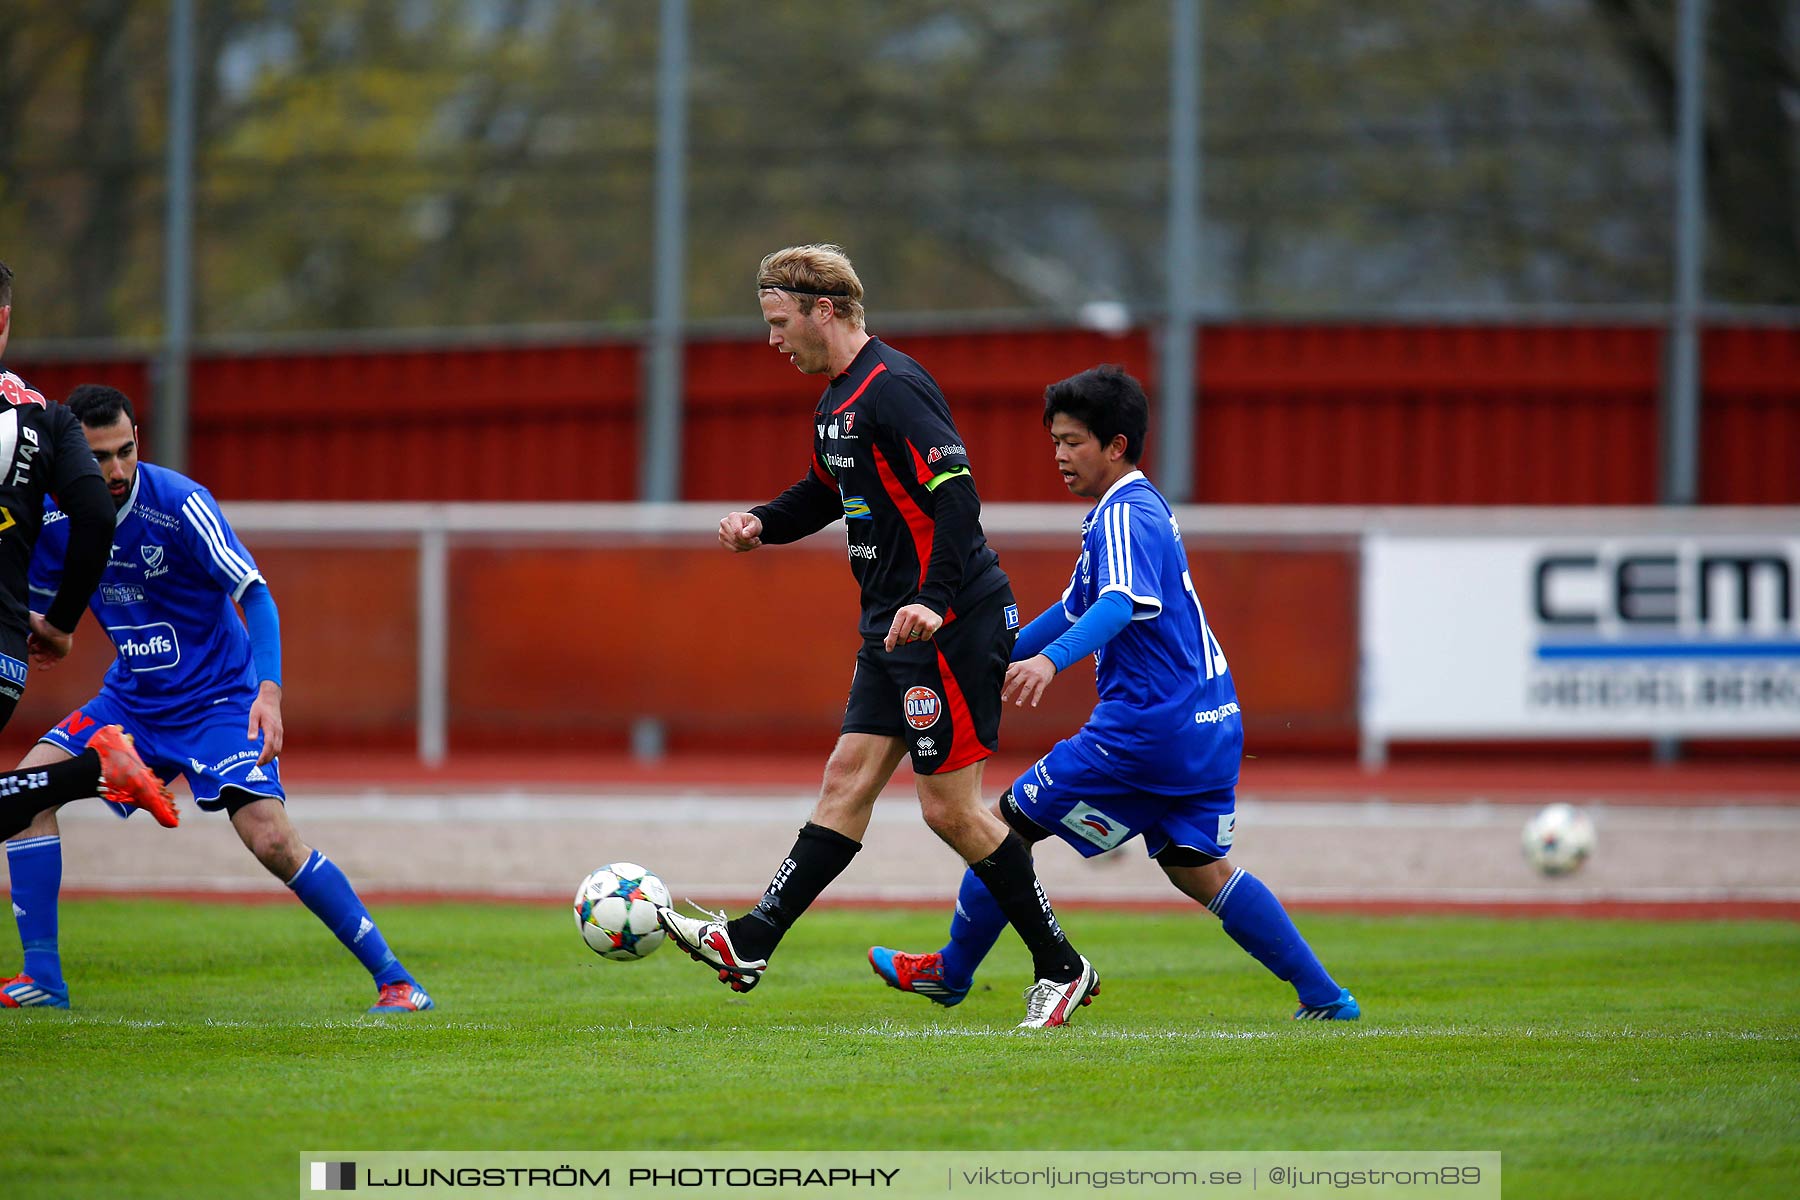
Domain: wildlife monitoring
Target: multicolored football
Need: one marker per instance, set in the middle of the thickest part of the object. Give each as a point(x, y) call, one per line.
point(615, 909)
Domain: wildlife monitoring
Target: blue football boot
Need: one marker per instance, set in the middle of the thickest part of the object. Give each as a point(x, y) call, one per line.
point(920, 974)
point(1344, 1008)
point(22, 991)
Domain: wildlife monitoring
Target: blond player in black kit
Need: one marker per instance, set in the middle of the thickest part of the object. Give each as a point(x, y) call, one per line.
point(938, 624)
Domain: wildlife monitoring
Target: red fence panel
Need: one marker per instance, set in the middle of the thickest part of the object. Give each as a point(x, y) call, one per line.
point(512, 423)
point(746, 428)
point(1419, 414)
point(1750, 424)
point(1288, 414)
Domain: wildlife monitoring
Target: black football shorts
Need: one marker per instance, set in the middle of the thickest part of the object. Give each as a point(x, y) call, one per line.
point(13, 669)
point(942, 696)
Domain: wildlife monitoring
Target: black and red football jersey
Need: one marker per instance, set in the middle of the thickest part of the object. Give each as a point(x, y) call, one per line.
point(881, 433)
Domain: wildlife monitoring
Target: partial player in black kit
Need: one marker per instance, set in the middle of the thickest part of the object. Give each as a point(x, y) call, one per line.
point(44, 453)
point(938, 624)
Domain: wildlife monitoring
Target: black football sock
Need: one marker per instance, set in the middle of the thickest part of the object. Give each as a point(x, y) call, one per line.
point(1012, 881)
point(26, 793)
point(818, 857)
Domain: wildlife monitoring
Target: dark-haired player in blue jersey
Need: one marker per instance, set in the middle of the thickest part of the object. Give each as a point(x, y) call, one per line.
point(199, 689)
point(1159, 757)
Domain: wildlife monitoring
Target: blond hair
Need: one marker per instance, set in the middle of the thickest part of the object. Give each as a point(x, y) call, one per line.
point(813, 271)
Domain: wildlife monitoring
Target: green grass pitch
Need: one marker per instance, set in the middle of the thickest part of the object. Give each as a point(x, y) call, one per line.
point(213, 1043)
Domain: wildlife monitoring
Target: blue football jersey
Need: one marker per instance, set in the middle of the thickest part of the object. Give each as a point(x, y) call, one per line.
point(1168, 718)
point(166, 599)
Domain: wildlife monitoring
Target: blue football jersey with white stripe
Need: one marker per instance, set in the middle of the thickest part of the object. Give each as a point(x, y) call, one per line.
point(1168, 718)
point(166, 599)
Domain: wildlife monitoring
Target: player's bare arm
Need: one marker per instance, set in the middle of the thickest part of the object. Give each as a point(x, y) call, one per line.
point(1028, 680)
point(740, 532)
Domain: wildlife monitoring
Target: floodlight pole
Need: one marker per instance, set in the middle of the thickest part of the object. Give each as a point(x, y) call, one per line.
point(1681, 399)
point(1681, 379)
point(1174, 430)
point(171, 412)
point(661, 444)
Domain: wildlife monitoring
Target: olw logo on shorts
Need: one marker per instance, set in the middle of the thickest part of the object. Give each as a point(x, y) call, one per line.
point(922, 707)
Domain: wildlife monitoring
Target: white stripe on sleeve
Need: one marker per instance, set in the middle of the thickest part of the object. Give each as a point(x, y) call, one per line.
point(1125, 551)
point(212, 532)
point(1113, 571)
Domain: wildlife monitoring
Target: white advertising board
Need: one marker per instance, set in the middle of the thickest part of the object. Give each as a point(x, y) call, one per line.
point(1580, 636)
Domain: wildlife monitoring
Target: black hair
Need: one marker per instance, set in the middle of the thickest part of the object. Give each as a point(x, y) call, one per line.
point(5, 285)
point(98, 405)
point(1108, 401)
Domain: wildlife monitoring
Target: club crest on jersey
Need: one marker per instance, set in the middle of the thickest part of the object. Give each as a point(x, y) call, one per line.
point(922, 707)
point(153, 555)
point(849, 420)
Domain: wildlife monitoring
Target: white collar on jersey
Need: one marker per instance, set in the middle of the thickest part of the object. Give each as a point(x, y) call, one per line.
point(1121, 481)
point(137, 481)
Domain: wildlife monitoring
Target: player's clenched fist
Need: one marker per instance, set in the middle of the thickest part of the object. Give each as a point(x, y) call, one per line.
point(913, 623)
point(740, 531)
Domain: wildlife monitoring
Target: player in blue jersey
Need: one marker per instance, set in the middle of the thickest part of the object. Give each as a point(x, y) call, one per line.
point(1159, 757)
point(199, 689)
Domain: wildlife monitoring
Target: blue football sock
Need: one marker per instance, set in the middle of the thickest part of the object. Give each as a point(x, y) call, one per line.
point(36, 865)
point(974, 929)
point(323, 888)
point(1256, 921)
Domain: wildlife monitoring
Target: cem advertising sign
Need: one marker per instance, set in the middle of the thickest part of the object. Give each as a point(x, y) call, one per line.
point(1581, 636)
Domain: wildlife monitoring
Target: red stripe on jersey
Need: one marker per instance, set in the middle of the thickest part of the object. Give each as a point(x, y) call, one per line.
point(925, 475)
point(825, 477)
point(857, 394)
point(966, 747)
point(916, 520)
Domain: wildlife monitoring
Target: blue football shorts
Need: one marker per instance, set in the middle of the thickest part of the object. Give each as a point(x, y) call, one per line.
point(209, 749)
point(1065, 794)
